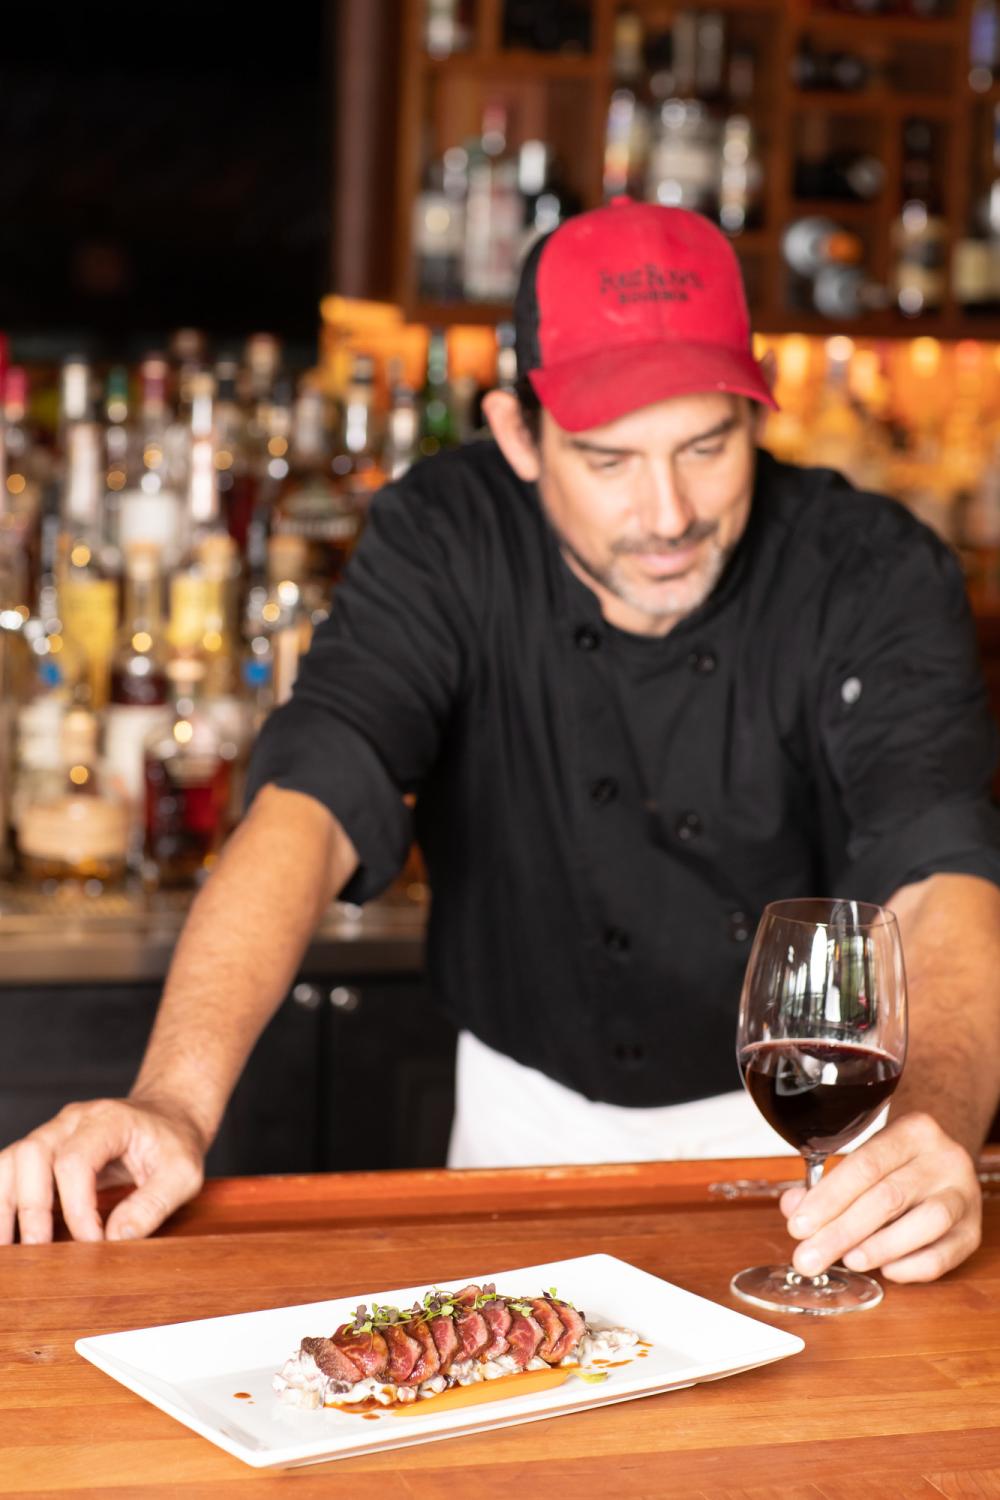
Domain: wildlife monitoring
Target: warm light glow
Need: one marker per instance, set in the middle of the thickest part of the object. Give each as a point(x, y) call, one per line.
point(116, 479)
point(839, 348)
point(142, 640)
point(80, 555)
point(793, 358)
point(16, 483)
point(277, 447)
point(223, 459)
point(925, 356)
point(55, 643)
point(79, 775)
point(212, 640)
point(968, 354)
point(183, 732)
point(152, 456)
point(271, 613)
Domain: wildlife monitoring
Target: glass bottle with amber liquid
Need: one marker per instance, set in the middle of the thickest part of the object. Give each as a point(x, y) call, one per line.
point(311, 503)
point(139, 683)
point(188, 766)
point(81, 833)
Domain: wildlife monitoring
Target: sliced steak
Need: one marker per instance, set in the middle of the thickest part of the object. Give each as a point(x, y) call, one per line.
point(428, 1362)
point(551, 1325)
point(333, 1362)
point(498, 1318)
point(404, 1351)
point(446, 1341)
point(467, 1296)
point(473, 1334)
point(367, 1350)
point(523, 1337)
point(574, 1325)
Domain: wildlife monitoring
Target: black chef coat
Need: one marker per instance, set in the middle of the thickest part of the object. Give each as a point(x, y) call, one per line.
point(603, 815)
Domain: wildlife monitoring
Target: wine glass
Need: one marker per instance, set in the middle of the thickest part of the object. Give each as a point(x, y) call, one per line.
point(820, 1044)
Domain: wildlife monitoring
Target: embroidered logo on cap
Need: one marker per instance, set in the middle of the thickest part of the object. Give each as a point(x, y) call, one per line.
point(650, 283)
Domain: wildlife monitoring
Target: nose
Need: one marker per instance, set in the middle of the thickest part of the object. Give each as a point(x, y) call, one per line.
point(663, 507)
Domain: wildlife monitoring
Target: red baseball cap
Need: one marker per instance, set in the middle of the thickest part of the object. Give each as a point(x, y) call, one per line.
point(634, 303)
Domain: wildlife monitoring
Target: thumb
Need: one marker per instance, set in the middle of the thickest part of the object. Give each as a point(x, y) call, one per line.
point(145, 1209)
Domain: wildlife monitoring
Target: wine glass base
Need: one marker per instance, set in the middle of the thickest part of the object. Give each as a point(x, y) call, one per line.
point(782, 1289)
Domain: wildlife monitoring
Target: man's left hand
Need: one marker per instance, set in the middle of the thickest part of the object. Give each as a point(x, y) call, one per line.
point(907, 1203)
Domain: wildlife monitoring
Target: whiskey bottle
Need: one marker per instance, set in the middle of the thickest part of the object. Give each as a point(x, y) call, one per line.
point(311, 504)
point(81, 834)
point(86, 568)
point(188, 767)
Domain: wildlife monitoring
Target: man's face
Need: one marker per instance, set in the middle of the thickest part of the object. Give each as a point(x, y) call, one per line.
point(648, 508)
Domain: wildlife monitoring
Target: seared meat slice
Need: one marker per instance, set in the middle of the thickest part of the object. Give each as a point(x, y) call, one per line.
point(446, 1341)
point(473, 1333)
point(574, 1325)
point(428, 1362)
point(332, 1361)
point(551, 1325)
point(404, 1351)
point(524, 1337)
point(467, 1296)
point(498, 1318)
point(366, 1350)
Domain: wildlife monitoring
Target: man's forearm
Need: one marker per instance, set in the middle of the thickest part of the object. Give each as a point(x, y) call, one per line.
point(240, 950)
point(950, 927)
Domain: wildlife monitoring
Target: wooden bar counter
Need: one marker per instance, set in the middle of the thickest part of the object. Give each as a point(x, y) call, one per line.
point(903, 1401)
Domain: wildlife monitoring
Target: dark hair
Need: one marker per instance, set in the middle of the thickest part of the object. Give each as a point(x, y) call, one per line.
point(526, 338)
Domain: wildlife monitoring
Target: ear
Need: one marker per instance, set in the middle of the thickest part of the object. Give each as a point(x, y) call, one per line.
point(502, 411)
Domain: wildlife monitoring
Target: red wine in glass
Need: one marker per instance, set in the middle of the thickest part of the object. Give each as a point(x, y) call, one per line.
point(820, 1045)
point(818, 1095)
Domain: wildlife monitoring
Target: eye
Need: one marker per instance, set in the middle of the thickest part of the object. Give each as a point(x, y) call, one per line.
point(710, 450)
point(605, 465)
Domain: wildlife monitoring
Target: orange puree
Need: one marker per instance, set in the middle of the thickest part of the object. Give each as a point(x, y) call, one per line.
point(521, 1384)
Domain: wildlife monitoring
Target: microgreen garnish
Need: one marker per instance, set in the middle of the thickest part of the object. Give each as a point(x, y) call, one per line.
point(436, 1303)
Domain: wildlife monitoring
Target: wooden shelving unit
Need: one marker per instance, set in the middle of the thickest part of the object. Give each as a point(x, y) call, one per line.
point(440, 99)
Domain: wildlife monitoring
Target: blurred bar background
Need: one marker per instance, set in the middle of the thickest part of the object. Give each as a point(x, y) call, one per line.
point(252, 269)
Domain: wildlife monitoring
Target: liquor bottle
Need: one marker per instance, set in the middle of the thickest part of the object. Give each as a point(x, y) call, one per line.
point(446, 27)
point(356, 465)
point(139, 684)
point(86, 571)
point(277, 627)
point(626, 137)
point(920, 233)
point(494, 214)
point(150, 509)
point(81, 834)
point(20, 492)
point(740, 178)
point(984, 44)
point(438, 428)
point(683, 170)
point(187, 767)
point(439, 227)
point(310, 504)
point(203, 508)
point(236, 477)
point(202, 617)
point(402, 426)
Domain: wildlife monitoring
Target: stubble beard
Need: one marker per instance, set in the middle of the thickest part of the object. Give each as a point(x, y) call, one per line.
point(663, 603)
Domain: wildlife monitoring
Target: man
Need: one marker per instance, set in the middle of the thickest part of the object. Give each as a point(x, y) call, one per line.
point(644, 679)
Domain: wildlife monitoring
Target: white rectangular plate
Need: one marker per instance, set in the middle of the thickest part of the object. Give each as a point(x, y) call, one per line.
point(193, 1370)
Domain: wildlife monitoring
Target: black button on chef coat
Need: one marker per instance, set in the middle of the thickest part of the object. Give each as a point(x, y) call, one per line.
point(602, 939)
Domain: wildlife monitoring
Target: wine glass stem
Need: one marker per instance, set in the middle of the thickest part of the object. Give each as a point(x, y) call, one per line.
point(814, 1171)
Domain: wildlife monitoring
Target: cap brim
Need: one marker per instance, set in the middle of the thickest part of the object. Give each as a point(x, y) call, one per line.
point(597, 388)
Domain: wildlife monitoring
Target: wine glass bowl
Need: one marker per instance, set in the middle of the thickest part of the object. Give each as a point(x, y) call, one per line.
point(820, 1044)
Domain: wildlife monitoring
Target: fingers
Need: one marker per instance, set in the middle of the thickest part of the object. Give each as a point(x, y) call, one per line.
point(97, 1141)
point(927, 1227)
point(907, 1200)
point(8, 1186)
point(143, 1211)
point(34, 1192)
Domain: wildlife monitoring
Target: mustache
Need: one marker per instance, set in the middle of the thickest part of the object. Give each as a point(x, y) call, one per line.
point(698, 531)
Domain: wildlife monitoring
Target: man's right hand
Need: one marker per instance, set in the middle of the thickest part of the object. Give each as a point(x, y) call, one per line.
point(95, 1145)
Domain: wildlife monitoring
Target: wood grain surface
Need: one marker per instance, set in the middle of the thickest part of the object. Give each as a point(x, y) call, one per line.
point(899, 1402)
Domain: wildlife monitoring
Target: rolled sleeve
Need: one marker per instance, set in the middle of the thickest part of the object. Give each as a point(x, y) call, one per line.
point(908, 736)
point(377, 687)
